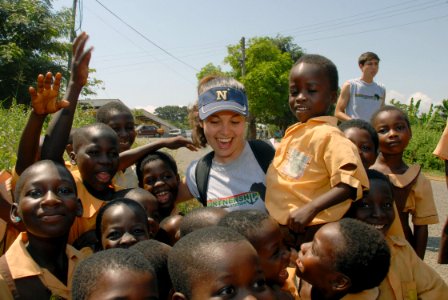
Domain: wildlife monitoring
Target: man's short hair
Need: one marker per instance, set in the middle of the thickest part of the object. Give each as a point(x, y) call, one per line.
point(363, 58)
point(90, 270)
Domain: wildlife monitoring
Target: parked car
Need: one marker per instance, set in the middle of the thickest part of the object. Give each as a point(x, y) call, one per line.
point(149, 130)
point(177, 131)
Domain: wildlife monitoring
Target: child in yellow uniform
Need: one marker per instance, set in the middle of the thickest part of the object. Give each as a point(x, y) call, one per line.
point(412, 190)
point(442, 152)
point(316, 170)
point(408, 277)
point(40, 264)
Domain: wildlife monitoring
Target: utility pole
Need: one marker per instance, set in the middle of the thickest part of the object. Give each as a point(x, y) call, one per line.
point(243, 56)
point(72, 33)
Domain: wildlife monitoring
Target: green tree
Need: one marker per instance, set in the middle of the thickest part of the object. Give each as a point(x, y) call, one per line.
point(31, 42)
point(177, 115)
point(210, 69)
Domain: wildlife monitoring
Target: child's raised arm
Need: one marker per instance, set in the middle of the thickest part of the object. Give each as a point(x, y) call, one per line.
point(61, 123)
point(44, 101)
point(300, 217)
point(129, 157)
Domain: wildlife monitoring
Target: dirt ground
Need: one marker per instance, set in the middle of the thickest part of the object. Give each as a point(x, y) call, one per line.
point(183, 157)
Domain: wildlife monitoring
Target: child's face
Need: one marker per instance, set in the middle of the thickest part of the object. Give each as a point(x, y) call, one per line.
point(362, 139)
point(377, 207)
point(274, 256)
point(234, 274)
point(123, 124)
point(370, 67)
point(224, 132)
point(125, 284)
point(97, 159)
point(315, 261)
point(160, 180)
point(393, 131)
point(310, 94)
point(48, 203)
point(149, 203)
point(122, 227)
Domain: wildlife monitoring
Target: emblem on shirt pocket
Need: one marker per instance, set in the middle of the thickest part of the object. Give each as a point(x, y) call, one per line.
point(295, 164)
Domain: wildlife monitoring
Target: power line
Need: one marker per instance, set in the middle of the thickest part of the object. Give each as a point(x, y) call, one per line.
point(146, 38)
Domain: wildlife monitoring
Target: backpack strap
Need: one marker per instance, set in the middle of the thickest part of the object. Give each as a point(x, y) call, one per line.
point(24, 288)
point(263, 152)
point(202, 173)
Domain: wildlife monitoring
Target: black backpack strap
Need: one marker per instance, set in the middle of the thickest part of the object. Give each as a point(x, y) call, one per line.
point(264, 153)
point(202, 173)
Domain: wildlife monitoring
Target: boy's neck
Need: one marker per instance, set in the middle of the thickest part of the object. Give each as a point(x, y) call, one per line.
point(49, 253)
point(390, 163)
point(366, 78)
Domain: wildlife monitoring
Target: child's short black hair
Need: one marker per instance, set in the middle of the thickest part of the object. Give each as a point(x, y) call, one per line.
point(390, 108)
point(90, 270)
point(330, 68)
point(23, 177)
point(79, 136)
point(134, 205)
point(103, 113)
point(189, 258)
point(200, 218)
point(363, 58)
point(156, 155)
point(130, 193)
point(157, 254)
point(361, 124)
point(364, 257)
point(246, 222)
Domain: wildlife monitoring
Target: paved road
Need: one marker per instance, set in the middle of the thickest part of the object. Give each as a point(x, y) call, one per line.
point(184, 157)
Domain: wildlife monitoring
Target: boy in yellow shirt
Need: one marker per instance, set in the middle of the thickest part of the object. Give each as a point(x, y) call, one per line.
point(316, 170)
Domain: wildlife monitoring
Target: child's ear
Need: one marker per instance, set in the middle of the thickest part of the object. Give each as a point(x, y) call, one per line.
point(14, 214)
point(153, 226)
point(72, 158)
point(178, 296)
point(79, 209)
point(334, 97)
point(341, 283)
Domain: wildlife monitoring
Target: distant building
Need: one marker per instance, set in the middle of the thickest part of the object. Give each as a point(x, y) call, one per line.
point(141, 117)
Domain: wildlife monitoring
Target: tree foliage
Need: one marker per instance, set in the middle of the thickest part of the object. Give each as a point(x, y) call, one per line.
point(177, 115)
point(31, 42)
point(210, 69)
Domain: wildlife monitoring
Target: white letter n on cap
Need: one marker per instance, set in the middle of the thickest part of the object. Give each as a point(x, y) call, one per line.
point(221, 95)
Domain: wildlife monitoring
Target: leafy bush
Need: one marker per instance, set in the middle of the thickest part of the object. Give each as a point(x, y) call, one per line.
point(13, 121)
point(421, 146)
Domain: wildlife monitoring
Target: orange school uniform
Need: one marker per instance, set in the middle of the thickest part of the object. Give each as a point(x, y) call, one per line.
point(90, 206)
point(21, 265)
point(311, 159)
point(409, 277)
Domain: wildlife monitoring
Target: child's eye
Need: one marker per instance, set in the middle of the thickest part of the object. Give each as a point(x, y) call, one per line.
point(311, 91)
point(93, 153)
point(388, 205)
point(293, 93)
point(382, 131)
point(150, 181)
point(65, 191)
point(114, 235)
point(138, 232)
point(364, 205)
point(166, 177)
point(259, 285)
point(226, 291)
point(34, 193)
point(365, 148)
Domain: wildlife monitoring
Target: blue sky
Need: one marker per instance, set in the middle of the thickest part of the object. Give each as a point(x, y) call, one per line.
point(409, 36)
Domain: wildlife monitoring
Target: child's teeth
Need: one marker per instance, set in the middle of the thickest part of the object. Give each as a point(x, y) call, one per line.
point(224, 140)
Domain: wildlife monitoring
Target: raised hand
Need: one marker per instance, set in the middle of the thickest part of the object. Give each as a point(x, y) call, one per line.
point(45, 99)
point(80, 60)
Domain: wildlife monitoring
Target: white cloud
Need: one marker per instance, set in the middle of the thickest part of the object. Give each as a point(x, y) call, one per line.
point(424, 105)
point(394, 95)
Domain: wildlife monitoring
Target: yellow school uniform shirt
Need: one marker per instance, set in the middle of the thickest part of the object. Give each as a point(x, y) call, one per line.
point(409, 277)
point(312, 158)
point(90, 207)
point(21, 265)
point(420, 202)
point(441, 150)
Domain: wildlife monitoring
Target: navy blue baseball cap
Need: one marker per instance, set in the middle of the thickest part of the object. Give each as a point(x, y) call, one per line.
point(221, 99)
